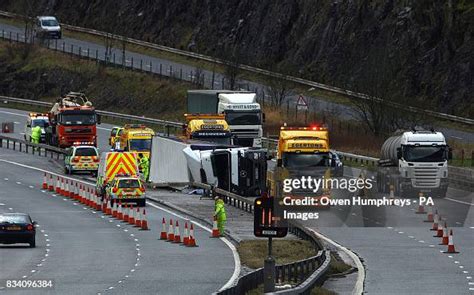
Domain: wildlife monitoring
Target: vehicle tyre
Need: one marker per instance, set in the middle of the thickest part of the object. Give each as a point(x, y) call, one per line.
point(33, 243)
point(142, 203)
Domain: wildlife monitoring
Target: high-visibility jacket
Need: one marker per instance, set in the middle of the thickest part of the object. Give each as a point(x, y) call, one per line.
point(36, 133)
point(220, 211)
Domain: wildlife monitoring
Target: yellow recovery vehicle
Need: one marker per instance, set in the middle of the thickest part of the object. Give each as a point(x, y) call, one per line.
point(136, 138)
point(207, 127)
point(304, 152)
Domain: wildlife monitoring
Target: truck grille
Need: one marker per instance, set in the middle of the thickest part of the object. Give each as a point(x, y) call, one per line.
point(426, 177)
point(87, 130)
point(246, 133)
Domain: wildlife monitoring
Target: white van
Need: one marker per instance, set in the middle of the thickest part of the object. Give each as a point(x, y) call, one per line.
point(47, 27)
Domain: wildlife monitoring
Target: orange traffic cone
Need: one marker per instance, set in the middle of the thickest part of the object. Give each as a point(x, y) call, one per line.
point(144, 225)
point(58, 186)
point(192, 240)
point(215, 230)
point(451, 249)
point(186, 234)
point(108, 210)
point(445, 239)
point(114, 210)
point(163, 235)
point(45, 182)
point(177, 235)
point(119, 211)
point(138, 219)
point(171, 231)
point(61, 189)
point(104, 204)
point(126, 217)
point(71, 191)
point(99, 204)
point(51, 183)
point(131, 216)
point(76, 191)
point(439, 231)
point(435, 221)
point(421, 208)
point(429, 217)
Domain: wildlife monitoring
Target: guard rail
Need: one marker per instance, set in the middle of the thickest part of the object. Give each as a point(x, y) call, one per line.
point(302, 81)
point(29, 147)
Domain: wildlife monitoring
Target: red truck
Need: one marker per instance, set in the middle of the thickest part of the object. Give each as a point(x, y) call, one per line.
point(72, 119)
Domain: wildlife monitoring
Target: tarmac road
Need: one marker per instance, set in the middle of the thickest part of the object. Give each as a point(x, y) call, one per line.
point(88, 253)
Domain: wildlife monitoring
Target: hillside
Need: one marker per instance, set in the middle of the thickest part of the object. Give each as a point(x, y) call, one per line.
point(415, 51)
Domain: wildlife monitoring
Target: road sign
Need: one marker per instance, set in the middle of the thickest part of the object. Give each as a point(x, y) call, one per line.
point(266, 222)
point(301, 103)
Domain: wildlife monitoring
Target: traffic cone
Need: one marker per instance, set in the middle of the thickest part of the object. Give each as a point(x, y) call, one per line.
point(171, 231)
point(138, 219)
point(392, 192)
point(119, 211)
point(163, 235)
point(429, 217)
point(58, 186)
point(108, 210)
point(71, 191)
point(125, 213)
point(66, 188)
point(61, 189)
point(439, 231)
point(76, 192)
point(421, 208)
point(51, 183)
point(192, 240)
point(451, 249)
point(87, 198)
point(186, 234)
point(435, 221)
point(144, 225)
point(99, 203)
point(104, 205)
point(215, 230)
point(45, 182)
point(445, 239)
point(114, 210)
point(131, 216)
point(177, 235)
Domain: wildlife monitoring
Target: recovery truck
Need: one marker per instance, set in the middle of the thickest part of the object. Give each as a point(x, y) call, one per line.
point(209, 128)
point(304, 151)
point(240, 108)
point(414, 161)
point(72, 119)
point(136, 138)
point(118, 178)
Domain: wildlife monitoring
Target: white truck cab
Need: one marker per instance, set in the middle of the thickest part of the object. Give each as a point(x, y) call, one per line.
point(36, 119)
point(244, 116)
point(47, 27)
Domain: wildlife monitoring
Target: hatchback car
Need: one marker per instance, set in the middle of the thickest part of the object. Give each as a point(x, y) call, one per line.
point(17, 228)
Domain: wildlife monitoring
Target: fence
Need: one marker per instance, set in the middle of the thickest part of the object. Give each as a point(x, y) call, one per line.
point(211, 79)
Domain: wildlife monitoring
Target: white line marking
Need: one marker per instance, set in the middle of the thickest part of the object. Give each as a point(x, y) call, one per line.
point(458, 201)
point(236, 273)
point(359, 286)
point(16, 114)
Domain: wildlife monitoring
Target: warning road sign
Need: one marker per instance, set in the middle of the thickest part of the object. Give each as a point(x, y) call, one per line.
point(302, 104)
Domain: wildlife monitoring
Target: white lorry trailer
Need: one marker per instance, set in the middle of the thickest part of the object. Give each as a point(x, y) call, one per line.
point(241, 110)
point(413, 162)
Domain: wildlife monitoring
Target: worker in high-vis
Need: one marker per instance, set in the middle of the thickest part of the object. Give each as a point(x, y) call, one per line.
point(144, 166)
point(36, 134)
point(220, 215)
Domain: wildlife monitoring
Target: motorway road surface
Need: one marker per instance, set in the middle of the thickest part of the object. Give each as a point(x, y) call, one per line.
point(343, 111)
point(396, 246)
point(87, 253)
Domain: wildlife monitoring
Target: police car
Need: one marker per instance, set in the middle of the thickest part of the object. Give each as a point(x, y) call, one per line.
point(81, 157)
point(126, 189)
point(36, 119)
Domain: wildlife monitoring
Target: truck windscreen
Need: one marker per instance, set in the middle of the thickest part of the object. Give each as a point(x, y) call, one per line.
point(243, 118)
point(424, 153)
point(140, 144)
point(305, 160)
point(40, 123)
point(77, 118)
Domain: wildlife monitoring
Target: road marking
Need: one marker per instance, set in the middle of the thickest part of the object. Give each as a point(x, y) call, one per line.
point(236, 273)
point(359, 286)
point(1, 204)
point(458, 201)
point(16, 114)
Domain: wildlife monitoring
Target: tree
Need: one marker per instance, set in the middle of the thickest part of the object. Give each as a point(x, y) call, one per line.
point(232, 58)
point(279, 90)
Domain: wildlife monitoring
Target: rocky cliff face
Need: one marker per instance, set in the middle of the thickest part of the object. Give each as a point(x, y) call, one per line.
point(419, 51)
